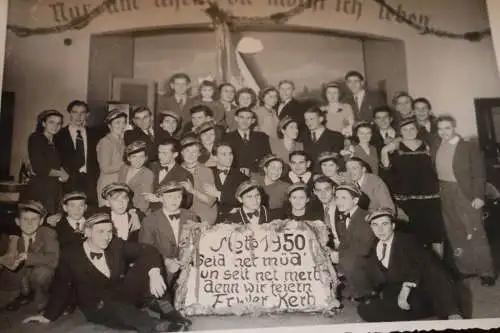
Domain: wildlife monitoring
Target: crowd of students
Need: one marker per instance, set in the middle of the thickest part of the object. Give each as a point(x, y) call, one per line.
point(396, 187)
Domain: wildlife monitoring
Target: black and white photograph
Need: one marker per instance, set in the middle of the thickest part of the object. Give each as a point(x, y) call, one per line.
point(216, 165)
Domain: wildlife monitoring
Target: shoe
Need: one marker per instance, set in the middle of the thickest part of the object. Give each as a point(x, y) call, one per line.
point(166, 326)
point(18, 302)
point(487, 281)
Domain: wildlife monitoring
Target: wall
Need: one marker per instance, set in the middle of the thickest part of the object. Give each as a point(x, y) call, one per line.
point(307, 59)
point(493, 7)
point(3, 34)
point(45, 73)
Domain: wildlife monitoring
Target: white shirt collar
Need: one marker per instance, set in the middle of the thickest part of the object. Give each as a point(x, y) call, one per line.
point(121, 224)
point(26, 239)
point(318, 131)
point(100, 264)
point(242, 134)
point(380, 245)
point(390, 130)
point(361, 180)
point(73, 223)
point(174, 223)
point(455, 140)
point(295, 179)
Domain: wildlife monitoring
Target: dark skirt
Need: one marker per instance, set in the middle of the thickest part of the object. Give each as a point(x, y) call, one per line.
point(47, 190)
point(426, 221)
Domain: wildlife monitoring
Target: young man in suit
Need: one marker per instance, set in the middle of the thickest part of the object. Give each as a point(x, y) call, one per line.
point(227, 179)
point(363, 102)
point(201, 114)
point(163, 228)
point(126, 220)
point(36, 258)
point(166, 170)
point(461, 172)
point(319, 138)
point(412, 284)
point(251, 211)
point(426, 121)
point(300, 172)
point(142, 117)
point(289, 106)
point(371, 185)
point(109, 291)
point(383, 130)
point(352, 239)
point(76, 145)
point(179, 101)
point(69, 228)
point(249, 146)
point(402, 102)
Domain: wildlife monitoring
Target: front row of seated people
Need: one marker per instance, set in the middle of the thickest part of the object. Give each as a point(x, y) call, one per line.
point(86, 262)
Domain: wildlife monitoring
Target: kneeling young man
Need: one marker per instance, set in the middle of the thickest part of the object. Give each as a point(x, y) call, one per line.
point(251, 211)
point(107, 292)
point(412, 283)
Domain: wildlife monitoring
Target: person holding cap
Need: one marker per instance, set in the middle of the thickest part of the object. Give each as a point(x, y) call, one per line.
point(411, 282)
point(209, 133)
point(252, 211)
point(107, 289)
point(37, 256)
point(170, 125)
point(110, 150)
point(135, 174)
point(46, 185)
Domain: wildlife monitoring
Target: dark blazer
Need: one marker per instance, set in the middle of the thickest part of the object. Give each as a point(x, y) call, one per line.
point(157, 231)
point(134, 235)
point(429, 137)
point(248, 155)
point(409, 261)
point(377, 140)
point(239, 217)
point(45, 248)
point(67, 151)
point(166, 102)
point(328, 141)
point(66, 235)
point(228, 199)
point(94, 289)
point(371, 100)
point(469, 168)
point(177, 174)
point(136, 134)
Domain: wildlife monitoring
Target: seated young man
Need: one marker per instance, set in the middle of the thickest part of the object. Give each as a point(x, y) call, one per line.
point(108, 292)
point(126, 220)
point(162, 229)
point(70, 228)
point(300, 165)
point(36, 256)
point(300, 207)
point(251, 211)
point(413, 284)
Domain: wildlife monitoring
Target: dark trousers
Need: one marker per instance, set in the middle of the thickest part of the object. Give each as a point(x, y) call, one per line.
point(354, 270)
point(122, 310)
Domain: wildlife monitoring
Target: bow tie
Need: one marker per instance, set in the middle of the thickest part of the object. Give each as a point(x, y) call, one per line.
point(254, 214)
point(165, 168)
point(342, 216)
point(174, 216)
point(95, 255)
point(224, 171)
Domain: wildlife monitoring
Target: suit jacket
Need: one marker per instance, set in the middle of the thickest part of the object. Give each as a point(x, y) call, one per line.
point(166, 102)
point(429, 137)
point(377, 140)
point(137, 134)
point(45, 248)
point(227, 200)
point(377, 191)
point(328, 141)
point(239, 217)
point(409, 261)
point(371, 100)
point(157, 231)
point(66, 235)
point(134, 235)
point(469, 168)
point(141, 182)
point(177, 174)
point(248, 155)
point(76, 273)
point(67, 151)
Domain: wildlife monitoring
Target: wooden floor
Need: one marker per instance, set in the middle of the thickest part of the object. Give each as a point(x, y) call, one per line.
point(485, 304)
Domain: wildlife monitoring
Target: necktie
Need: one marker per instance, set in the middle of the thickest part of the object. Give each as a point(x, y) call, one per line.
point(386, 135)
point(245, 138)
point(80, 150)
point(165, 168)
point(302, 179)
point(313, 136)
point(384, 252)
point(30, 244)
point(340, 225)
point(150, 134)
point(254, 214)
point(77, 226)
point(95, 255)
point(174, 216)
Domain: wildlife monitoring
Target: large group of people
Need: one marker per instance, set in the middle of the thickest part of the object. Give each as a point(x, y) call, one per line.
point(396, 187)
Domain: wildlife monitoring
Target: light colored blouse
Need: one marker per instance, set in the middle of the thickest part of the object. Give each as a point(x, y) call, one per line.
point(140, 182)
point(110, 151)
point(339, 118)
point(203, 175)
point(267, 121)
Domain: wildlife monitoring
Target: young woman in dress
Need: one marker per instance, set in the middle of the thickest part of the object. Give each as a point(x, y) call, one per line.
point(362, 148)
point(267, 119)
point(286, 140)
point(110, 150)
point(415, 184)
point(274, 188)
point(136, 175)
point(339, 116)
point(204, 205)
point(46, 185)
point(208, 139)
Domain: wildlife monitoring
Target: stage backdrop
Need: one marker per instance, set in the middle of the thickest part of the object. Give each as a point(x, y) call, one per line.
point(451, 73)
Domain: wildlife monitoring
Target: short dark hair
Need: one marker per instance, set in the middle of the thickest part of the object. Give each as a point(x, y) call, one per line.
point(290, 82)
point(328, 85)
point(358, 160)
point(246, 90)
point(215, 148)
point(139, 109)
point(400, 94)
point(266, 91)
point(447, 118)
point(354, 73)
point(171, 142)
point(179, 76)
point(225, 84)
point(201, 108)
point(383, 108)
point(298, 153)
point(77, 102)
point(422, 100)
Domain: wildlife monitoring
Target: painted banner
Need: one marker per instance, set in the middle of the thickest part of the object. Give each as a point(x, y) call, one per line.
point(282, 266)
